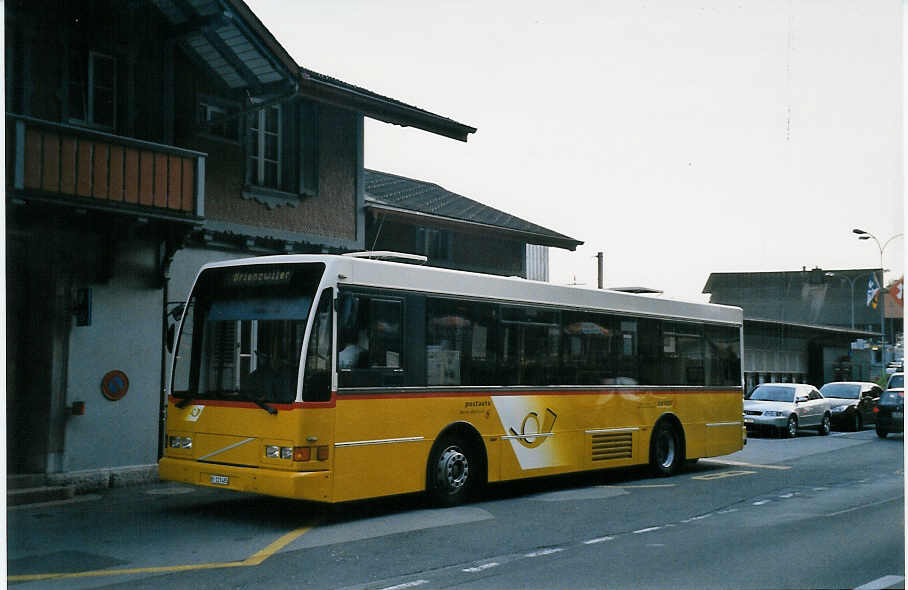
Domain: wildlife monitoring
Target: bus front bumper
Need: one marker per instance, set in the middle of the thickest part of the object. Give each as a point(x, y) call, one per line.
point(300, 485)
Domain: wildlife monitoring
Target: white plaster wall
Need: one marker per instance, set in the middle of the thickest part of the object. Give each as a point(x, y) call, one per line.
point(125, 334)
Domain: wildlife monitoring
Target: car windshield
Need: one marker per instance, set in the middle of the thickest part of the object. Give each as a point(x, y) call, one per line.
point(891, 397)
point(772, 393)
point(896, 381)
point(841, 390)
point(243, 333)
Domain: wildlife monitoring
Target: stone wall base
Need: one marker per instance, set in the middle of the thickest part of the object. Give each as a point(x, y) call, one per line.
point(91, 480)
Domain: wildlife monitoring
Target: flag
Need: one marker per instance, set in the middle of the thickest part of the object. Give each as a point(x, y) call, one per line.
point(897, 291)
point(873, 289)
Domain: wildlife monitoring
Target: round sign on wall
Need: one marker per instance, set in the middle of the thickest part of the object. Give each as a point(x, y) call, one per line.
point(114, 385)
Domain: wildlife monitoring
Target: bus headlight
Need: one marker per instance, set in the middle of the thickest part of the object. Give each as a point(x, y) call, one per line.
point(179, 442)
point(277, 452)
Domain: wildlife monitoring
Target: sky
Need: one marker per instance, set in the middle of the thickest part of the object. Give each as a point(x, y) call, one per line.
point(679, 137)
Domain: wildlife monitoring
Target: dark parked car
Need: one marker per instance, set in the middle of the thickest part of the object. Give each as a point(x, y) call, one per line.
point(890, 411)
point(851, 403)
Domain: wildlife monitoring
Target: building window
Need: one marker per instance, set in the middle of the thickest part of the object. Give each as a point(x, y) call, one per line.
point(436, 243)
point(213, 121)
point(263, 159)
point(92, 91)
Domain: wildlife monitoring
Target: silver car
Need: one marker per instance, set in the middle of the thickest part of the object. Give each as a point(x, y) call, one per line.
point(785, 407)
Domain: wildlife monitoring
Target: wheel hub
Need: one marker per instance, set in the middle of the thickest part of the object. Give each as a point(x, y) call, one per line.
point(665, 449)
point(452, 470)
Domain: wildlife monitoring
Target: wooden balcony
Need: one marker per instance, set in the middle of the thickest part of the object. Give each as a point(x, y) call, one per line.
point(86, 168)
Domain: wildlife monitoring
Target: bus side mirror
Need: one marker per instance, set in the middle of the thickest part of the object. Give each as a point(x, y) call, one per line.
point(171, 336)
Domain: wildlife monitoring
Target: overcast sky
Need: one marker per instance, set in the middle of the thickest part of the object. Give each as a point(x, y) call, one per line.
point(680, 137)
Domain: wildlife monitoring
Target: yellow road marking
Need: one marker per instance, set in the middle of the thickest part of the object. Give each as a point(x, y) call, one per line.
point(276, 546)
point(740, 464)
point(655, 485)
point(722, 475)
point(252, 561)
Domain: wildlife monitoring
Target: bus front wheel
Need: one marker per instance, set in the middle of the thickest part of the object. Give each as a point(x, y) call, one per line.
point(452, 472)
point(665, 451)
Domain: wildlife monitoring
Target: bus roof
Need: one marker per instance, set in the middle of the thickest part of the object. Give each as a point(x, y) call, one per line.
point(347, 270)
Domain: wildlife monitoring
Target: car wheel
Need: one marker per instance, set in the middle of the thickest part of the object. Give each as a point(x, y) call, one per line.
point(665, 456)
point(881, 432)
point(824, 427)
point(791, 430)
point(452, 472)
point(858, 423)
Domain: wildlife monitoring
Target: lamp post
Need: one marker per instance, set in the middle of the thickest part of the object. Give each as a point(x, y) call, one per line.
point(851, 282)
point(865, 235)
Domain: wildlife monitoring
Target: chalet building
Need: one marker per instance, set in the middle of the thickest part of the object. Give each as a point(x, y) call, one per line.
point(453, 231)
point(144, 138)
point(808, 326)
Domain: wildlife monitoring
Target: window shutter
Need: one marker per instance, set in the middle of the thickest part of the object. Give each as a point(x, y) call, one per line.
point(308, 152)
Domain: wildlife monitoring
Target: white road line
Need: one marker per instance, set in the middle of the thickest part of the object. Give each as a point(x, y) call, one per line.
point(881, 583)
point(598, 540)
point(479, 568)
point(650, 529)
point(693, 518)
point(899, 498)
point(413, 584)
point(742, 464)
point(761, 502)
point(544, 552)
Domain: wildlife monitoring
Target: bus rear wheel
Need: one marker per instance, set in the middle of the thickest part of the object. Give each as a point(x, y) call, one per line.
point(665, 450)
point(452, 472)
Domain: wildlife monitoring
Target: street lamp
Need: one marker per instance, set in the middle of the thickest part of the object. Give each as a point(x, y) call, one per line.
point(865, 235)
point(851, 281)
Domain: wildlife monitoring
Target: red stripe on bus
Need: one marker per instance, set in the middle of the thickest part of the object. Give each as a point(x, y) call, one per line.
point(228, 404)
point(356, 396)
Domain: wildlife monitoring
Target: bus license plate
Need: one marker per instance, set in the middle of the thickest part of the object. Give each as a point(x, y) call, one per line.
point(221, 480)
point(896, 414)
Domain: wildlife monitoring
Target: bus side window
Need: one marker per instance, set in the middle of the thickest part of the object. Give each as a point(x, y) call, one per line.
point(317, 382)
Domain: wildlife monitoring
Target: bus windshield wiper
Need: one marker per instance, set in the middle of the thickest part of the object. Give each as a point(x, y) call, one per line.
point(257, 401)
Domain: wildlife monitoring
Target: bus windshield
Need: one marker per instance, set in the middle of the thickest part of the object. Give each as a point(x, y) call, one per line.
point(243, 333)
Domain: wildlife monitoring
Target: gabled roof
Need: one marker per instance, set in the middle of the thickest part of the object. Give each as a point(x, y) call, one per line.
point(406, 196)
point(228, 39)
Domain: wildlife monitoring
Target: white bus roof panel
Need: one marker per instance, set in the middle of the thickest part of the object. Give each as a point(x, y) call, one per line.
point(346, 270)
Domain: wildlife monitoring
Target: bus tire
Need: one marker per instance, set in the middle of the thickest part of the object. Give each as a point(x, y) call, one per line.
point(666, 452)
point(453, 471)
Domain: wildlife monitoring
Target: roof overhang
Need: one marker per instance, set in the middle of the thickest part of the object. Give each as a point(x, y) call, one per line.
point(228, 40)
point(837, 330)
point(440, 220)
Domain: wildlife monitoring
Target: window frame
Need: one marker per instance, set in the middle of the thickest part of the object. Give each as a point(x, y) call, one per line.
point(255, 174)
point(87, 65)
point(377, 376)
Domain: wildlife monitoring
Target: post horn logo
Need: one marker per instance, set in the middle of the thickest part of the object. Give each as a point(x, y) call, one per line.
point(531, 427)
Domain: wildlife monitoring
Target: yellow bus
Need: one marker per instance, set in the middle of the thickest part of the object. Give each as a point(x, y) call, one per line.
point(337, 378)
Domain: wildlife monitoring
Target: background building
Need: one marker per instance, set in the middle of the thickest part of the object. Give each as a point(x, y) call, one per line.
point(453, 231)
point(810, 326)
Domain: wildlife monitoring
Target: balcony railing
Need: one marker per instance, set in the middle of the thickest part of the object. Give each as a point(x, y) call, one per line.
point(50, 159)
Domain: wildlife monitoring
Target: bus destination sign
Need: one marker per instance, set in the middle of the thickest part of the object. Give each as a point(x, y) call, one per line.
point(244, 278)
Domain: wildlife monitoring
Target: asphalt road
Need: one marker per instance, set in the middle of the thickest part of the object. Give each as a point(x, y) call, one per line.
point(812, 512)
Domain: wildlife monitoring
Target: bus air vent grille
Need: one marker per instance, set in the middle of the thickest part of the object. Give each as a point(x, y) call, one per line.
point(609, 446)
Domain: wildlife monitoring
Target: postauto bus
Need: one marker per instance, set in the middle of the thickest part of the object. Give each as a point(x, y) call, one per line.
point(337, 378)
